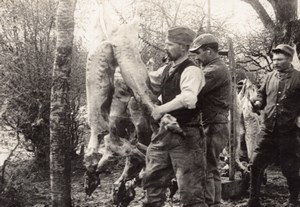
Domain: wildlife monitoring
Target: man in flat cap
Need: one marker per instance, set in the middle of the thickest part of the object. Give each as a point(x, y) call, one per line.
point(169, 154)
point(214, 105)
point(279, 96)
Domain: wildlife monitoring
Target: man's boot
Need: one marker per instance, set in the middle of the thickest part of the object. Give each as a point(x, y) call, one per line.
point(255, 182)
point(157, 204)
point(291, 203)
point(293, 184)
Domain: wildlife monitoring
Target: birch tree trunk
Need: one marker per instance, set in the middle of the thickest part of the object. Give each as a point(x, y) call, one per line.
point(60, 145)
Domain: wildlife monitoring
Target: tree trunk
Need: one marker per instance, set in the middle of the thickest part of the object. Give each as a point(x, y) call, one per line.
point(60, 142)
point(286, 27)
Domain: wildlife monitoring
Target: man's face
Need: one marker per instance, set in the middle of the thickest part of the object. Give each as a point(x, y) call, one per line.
point(173, 50)
point(281, 62)
point(202, 55)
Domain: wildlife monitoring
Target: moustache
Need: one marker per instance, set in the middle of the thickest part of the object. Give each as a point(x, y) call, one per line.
point(165, 59)
point(276, 66)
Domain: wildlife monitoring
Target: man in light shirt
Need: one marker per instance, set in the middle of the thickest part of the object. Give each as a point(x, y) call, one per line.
point(170, 154)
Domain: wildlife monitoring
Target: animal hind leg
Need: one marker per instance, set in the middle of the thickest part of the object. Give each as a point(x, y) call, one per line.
point(99, 78)
point(99, 85)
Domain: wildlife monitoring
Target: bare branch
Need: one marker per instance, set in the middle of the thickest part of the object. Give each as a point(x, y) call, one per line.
point(262, 13)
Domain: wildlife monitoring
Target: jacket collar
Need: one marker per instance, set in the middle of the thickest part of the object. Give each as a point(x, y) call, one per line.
point(216, 59)
point(286, 74)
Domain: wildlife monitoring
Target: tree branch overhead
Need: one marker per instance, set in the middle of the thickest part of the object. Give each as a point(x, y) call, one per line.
point(262, 13)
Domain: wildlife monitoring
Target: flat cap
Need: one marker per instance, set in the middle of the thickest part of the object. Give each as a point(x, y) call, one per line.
point(203, 39)
point(284, 48)
point(181, 35)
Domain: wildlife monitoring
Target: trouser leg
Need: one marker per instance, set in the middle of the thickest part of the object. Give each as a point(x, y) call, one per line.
point(218, 188)
point(210, 188)
point(256, 176)
point(290, 166)
point(258, 164)
point(157, 175)
point(261, 156)
point(216, 139)
point(188, 161)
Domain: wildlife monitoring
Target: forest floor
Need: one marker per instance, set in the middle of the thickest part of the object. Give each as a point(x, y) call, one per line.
point(32, 187)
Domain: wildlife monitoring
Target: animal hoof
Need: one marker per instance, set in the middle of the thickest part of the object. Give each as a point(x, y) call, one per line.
point(265, 179)
point(123, 193)
point(91, 182)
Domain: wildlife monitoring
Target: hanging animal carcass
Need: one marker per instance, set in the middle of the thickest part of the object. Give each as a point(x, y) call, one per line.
point(248, 125)
point(109, 97)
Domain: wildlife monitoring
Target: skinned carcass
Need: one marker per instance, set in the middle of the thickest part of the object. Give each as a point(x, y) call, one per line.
point(116, 138)
point(248, 124)
point(99, 86)
point(248, 127)
point(100, 69)
point(133, 70)
point(295, 61)
point(114, 98)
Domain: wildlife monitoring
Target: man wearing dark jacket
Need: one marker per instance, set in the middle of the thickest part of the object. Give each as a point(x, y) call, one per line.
point(214, 101)
point(279, 96)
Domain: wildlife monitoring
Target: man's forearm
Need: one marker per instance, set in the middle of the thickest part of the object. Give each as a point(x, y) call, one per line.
point(171, 106)
point(161, 110)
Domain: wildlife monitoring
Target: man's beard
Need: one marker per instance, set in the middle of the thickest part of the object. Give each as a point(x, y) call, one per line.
point(171, 57)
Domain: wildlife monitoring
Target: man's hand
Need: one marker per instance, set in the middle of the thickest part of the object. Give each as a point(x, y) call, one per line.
point(257, 104)
point(298, 121)
point(157, 113)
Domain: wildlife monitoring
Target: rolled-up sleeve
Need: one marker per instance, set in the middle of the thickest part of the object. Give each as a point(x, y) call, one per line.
point(262, 94)
point(192, 81)
point(156, 79)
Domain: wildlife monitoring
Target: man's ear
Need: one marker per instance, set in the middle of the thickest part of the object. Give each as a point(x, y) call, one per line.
point(290, 59)
point(184, 47)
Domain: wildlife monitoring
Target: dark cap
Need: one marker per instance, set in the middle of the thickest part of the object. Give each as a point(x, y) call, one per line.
point(203, 39)
point(284, 48)
point(181, 35)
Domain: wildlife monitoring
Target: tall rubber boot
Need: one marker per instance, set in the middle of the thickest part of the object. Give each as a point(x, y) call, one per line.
point(293, 184)
point(157, 204)
point(255, 183)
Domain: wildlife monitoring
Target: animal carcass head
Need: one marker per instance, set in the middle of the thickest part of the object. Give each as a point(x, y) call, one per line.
point(91, 181)
point(249, 90)
point(123, 193)
point(246, 96)
point(91, 176)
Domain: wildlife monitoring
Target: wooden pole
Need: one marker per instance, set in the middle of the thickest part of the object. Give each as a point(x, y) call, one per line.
point(208, 16)
point(233, 111)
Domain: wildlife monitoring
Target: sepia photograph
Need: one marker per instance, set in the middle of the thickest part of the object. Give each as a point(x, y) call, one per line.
point(149, 103)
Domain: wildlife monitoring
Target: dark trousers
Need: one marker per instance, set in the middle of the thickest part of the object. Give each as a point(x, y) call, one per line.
point(216, 140)
point(272, 146)
point(171, 155)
